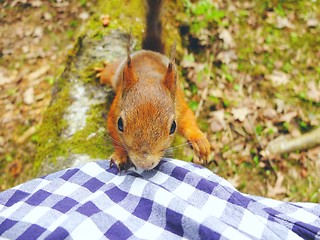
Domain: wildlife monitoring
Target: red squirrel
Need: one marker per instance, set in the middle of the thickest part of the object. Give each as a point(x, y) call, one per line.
point(149, 106)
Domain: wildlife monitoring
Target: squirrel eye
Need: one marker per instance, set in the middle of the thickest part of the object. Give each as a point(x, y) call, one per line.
point(120, 124)
point(173, 127)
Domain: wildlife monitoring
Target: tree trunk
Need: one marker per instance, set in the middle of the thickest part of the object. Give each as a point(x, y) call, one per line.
point(73, 127)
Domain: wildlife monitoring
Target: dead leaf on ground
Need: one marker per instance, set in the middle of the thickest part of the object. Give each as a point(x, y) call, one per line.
point(216, 93)
point(294, 156)
point(227, 56)
point(270, 127)
point(304, 172)
point(217, 122)
point(313, 91)
point(38, 32)
point(38, 73)
point(283, 22)
point(269, 113)
point(288, 117)
point(314, 154)
point(36, 3)
point(235, 180)
point(227, 39)
point(14, 168)
point(281, 107)
point(240, 113)
point(85, 16)
point(260, 103)
point(7, 77)
point(238, 147)
point(277, 189)
point(248, 127)
point(28, 96)
point(278, 78)
point(312, 22)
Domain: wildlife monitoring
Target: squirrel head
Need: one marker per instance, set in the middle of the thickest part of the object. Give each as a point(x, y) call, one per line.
point(147, 119)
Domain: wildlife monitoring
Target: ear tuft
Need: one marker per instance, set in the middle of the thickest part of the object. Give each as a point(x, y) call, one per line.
point(129, 77)
point(173, 52)
point(170, 78)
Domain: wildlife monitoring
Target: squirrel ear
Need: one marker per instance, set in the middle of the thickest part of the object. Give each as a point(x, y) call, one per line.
point(129, 77)
point(170, 79)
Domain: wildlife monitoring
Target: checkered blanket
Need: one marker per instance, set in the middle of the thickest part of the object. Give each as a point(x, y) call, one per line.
point(176, 200)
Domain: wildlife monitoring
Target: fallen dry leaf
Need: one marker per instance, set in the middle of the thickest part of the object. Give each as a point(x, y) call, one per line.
point(235, 180)
point(238, 147)
point(6, 77)
point(36, 3)
point(288, 117)
point(47, 16)
point(240, 113)
point(216, 92)
point(260, 103)
point(14, 168)
point(218, 121)
point(227, 39)
point(84, 15)
point(38, 73)
point(278, 78)
point(277, 189)
point(281, 107)
point(303, 172)
point(283, 22)
point(269, 113)
point(38, 32)
point(314, 154)
point(313, 91)
point(312, 22)
point(227, 56)
point(28, 96)
point(248, 127)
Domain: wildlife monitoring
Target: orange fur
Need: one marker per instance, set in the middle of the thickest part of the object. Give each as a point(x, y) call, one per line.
point(148, 100)
point(149, 106)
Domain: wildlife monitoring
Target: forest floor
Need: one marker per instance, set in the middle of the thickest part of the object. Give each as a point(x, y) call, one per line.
point(251, 75)
point(35, 37)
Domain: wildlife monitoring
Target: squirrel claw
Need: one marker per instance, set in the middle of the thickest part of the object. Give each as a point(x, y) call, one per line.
point(125, 166)
point(111, 163)
point(202, 148)
point(101, 73)
point(122, 162)
point(98, 72)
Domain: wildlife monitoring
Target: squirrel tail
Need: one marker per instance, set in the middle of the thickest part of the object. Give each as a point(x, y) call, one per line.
point(152, 39)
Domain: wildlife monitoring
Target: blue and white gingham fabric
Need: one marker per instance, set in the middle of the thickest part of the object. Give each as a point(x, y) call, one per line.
point(174, 201)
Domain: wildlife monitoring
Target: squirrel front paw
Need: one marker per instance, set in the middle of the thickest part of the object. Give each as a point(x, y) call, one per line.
point(102, 73)
point(121, 160)
point(201, 147)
